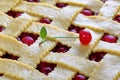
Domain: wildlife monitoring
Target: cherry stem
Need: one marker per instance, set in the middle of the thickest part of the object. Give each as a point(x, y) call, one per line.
point(65, 37)
point(52, 38)
point(42, 41)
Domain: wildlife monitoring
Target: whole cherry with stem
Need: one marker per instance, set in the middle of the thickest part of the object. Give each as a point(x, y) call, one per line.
point(84, 36)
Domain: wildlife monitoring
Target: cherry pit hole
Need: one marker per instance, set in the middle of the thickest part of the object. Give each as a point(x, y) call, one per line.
point(60, 48)
point(10, 56)
point(1, 74)
point(98, 56)
point(87, 12)
point(45, 20)
point(14, 14)
point(109, 38)
point(33, 0)
point(80, 77)
point(28, 38)
point(45, 67)
point(103, 1)
point(61, 5)
point(74, 29)
point(117, 18)
point(2, 28)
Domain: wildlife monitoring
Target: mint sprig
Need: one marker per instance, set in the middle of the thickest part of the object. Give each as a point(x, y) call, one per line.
point(43, 35)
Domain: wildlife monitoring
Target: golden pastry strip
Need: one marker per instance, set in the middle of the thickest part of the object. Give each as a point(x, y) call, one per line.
point(80, 50)
point(56, 14)
point(7, 76)
point(11, 45)
point(107, 69)
point(53, 2)
point(18, 25)
point(22, 70)
point(76, 47)
point(118, 13)
point(65, 16)
point(13, 27)
point(1, 53)
point(35, 27)
point(28, 16)
point(75, 63)
point(84, 51)
point(62, 73)
point(37, 52)
point(68, 64)
point(102, 46)
point(5, 20)
point(37, 9)
point(94, 5)
point(109, 9)
point(98, 23)
point(6, 5)
point(29, 55)
point(117, 77)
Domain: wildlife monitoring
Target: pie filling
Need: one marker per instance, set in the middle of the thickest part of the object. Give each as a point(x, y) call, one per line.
point(80, 77)
point(117, 18)
point(10, 56)
point(89, 14)
point(33, 0)
point(45, 67)
point(75, 29)
point(14, 14)
point(109, 38)
point(60, 48)
point(98, 56)
point(28, 38)
point(1, 28)
point(45, 20)
point(61, 5)
point(1, 74)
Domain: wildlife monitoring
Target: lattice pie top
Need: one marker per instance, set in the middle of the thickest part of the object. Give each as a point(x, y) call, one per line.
point(24, 57)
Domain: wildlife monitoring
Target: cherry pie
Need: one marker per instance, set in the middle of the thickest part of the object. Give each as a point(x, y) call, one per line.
point(88, 50)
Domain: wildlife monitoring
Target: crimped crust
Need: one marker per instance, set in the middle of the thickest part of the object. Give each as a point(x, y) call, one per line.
point(75, 63)
point(7, 5)
point(76, 59)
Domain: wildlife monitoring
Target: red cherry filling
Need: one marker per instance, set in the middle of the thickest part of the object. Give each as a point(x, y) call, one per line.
point(33, 0)
point(87, 12)
point(61, 48)
point(61, 5)
point(117, 18)
point(96, 56)
point(10, 56)
point(45, 20)
point(85, 37)
point(14, 14)
point(28, 38)
point(75, 29)
point(1, 74)
point(104, 1)
point(1, 28)
point(109, 38)
point(79, 77)
point(45, 67)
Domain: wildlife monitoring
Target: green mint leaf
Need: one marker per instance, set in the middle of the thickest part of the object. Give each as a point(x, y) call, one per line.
point(43, 33)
